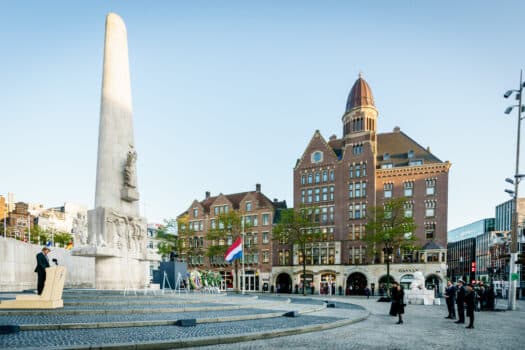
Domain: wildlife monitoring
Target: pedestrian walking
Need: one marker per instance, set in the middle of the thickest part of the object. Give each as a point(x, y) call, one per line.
point(367, 292)
point(42, 262)
point(470, 301)
point(450, 298)
point(398, 305)
point(460, 301)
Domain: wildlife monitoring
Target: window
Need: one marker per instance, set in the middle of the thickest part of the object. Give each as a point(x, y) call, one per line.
point(229, 239)
point(357, 149)
point(351, 190)
point(255, 238)
point(325, 175)
point(331, 193)
point(265, 237)
point(356, 211)
point(430, 228)
point(386, 156)
point(410, 154)
point(325, 194)
point(216, 210)
point(332, 175)
point(387, 166)
point(351, 171)
point(363, 189)
point(358, 170)
point(255, 220)
point(303, 180)
point(195, 212)
point(303, 196)
point(317, 192)
point(409, 209)
point(388, 190)
point(430, 209)
point(324, 215)
point(317, 157)
point(408, 189)
point(415, 162)
point(358, 189)
point(266, 256)
point(265, 219)
point(248, 206)
point(310, 178)
point(317, 178)
point(430, 187)
point(363, 169)
point(309, 198)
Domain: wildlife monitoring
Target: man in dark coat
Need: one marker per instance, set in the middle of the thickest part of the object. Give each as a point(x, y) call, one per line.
point(470, 300)
point(450, 297)
point(460, 301)
point(41, 263)
point(398, 306)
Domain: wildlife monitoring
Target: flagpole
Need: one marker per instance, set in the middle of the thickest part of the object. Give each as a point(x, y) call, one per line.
point(242, 256)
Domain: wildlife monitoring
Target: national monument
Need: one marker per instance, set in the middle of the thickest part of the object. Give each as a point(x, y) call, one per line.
point(116, 231)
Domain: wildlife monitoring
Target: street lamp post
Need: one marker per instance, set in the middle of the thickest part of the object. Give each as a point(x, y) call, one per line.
point(388, 250)
point(513, 267)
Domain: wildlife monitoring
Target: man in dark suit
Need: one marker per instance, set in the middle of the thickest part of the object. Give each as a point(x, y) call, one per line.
point(460, 301)
point(470, 300)
point(450, 297)
point(41, 263)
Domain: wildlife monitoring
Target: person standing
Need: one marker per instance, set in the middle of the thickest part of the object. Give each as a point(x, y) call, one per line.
point(470, 301)
point(450, 297)
point(460, 301)
point(398, 306)
point(41, 263)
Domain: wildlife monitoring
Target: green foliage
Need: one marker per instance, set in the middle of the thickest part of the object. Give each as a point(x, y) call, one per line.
point(62, 238)
point(38, 235)
point(298, 227)
point(226, 224)
point(168, 241)
point(388, 226)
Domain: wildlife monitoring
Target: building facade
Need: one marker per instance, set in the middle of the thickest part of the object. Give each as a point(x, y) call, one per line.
point(342, 177)
point(471, 230)
point(258, 211)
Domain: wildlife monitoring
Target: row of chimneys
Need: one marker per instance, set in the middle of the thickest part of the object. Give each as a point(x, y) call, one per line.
point(257, 189)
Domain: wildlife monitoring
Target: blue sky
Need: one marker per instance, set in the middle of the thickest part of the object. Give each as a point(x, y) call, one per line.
point(228, 93)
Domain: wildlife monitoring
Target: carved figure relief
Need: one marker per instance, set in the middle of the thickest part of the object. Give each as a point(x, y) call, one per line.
point(130, 177)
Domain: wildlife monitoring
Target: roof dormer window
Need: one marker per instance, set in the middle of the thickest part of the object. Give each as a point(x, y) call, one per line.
point(410, 154)
point(386, 156)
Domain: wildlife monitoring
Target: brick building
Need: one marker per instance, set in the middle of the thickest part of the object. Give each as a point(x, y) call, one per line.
point(257, 210)
point(345, 176)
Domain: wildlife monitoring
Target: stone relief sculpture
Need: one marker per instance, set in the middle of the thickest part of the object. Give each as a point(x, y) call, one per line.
point(130, 177)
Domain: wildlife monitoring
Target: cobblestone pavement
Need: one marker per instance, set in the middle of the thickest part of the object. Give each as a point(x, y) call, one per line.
point(424, 328)
point(48, 339)
point(97, 317)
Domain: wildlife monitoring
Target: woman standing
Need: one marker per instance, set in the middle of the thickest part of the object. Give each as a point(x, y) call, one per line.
point(398, 306)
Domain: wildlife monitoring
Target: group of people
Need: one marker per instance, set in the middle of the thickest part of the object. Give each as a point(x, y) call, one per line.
point(472, 297)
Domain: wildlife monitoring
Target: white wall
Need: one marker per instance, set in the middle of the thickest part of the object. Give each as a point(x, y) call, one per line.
point(18, 262)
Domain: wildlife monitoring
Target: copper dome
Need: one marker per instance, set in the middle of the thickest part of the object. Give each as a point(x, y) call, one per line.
point(360, 95)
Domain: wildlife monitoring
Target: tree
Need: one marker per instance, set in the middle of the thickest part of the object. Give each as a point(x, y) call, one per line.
point(388, 226)
point(227, 225)
point(62, 238)
point(38, 235)
point(298, 227)
point(168, 240)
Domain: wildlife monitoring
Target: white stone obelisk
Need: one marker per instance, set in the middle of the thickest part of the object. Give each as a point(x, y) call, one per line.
point(117, 233)
point(116, 119)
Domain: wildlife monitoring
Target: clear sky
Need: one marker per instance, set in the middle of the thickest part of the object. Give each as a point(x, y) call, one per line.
point(227, 94)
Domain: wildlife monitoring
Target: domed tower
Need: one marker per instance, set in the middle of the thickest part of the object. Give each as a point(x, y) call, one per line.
point(361, 114)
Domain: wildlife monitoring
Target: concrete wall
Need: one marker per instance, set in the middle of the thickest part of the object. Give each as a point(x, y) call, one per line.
point(18, 262)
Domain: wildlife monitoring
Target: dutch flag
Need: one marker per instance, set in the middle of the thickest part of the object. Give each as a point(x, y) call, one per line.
point(235, 251)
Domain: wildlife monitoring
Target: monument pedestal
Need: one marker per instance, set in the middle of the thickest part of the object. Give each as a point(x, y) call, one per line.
point(120, 273)
point(51, 297)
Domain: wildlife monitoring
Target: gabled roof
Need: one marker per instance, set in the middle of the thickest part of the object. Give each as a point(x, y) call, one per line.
point(397, 144)
point(235, 199)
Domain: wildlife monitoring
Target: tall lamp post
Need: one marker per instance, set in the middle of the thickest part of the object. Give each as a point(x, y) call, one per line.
point(388, 250)
point(513, 267)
